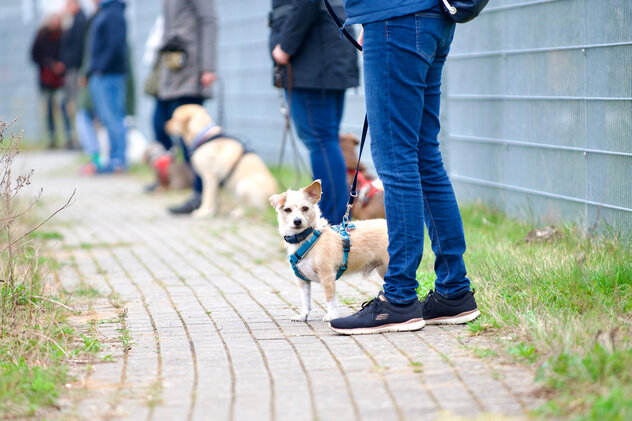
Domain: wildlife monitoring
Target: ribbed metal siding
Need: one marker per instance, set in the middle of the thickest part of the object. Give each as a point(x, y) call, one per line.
point(537, 116)
point(539, 109)
point(19, 93)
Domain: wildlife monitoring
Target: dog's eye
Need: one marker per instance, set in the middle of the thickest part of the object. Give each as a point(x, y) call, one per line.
point(287, 210)
point(304, 208)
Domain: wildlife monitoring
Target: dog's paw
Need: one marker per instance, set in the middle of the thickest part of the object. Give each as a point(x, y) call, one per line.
point(201, 213)
point(329, 317)
point(299, 317)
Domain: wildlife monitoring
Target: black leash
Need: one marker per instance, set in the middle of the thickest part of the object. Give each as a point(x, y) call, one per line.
point(365, 128)
point(341, 27)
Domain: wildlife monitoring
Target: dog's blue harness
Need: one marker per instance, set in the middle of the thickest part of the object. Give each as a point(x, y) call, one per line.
point(308, 243)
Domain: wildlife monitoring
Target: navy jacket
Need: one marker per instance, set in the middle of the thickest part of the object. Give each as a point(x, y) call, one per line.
point(72, 42)
point(366, 11)
point(108, 39)
point(320, 57)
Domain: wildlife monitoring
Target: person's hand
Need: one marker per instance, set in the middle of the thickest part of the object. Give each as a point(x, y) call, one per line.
point(58, 67)
point(280, 56)
point(207, 79)
point(361, 37)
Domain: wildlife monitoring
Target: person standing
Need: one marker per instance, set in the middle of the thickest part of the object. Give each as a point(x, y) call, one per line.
point(187, 70)
point(303, 36)
point(405, 45)
point(107, 77)
point(45, 52)
point(72, 46)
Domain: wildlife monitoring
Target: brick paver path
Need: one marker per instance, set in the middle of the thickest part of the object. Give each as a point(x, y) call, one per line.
point(208, 306)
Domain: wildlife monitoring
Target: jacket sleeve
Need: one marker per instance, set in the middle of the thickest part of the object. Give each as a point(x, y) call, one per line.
point(297, 24)
point(36, 50)
point(207, 24)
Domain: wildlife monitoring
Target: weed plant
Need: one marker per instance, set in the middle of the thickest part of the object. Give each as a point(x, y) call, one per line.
point(35, 340)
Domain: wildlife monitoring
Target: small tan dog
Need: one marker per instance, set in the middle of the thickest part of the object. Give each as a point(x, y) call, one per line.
point(221, 162)
point(297, 213)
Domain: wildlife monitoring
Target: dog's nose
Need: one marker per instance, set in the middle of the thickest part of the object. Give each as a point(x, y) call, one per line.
point(297, 222)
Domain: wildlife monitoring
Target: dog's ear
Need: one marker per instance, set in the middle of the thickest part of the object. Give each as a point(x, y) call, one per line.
point(278, 200)
point(313, 191)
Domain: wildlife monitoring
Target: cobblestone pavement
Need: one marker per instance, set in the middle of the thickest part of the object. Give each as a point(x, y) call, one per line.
point(205, 308)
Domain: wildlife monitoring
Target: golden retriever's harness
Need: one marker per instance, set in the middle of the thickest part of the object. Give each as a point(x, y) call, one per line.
point(308, 243)
point(201, 139)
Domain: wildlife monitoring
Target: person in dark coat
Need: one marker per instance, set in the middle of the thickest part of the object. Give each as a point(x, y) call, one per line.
point(107, 77)
point(45, 52)
point(72, 46)
point(303, 37)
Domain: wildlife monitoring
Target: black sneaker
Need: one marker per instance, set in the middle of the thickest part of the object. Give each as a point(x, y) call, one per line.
point(191, 204)
point(438, 310)
point(378, 315)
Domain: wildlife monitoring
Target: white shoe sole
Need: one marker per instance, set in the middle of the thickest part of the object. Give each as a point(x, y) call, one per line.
point(459, 319)
point(409, 326)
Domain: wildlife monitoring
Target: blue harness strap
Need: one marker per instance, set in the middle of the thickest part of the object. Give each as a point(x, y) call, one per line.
point(301, 252)
point(201, 139)
point(342, 229)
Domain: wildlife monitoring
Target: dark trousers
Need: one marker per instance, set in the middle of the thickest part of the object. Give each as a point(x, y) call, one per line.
point(162, 113)
point(316, 114)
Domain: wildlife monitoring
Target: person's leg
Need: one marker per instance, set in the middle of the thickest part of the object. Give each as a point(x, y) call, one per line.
point(442, 215)
point(316, 115)
point(395, 72)
point(108, 94)
point(84, 121)
point(50, 116)
point(68, 103)
point(159, 120)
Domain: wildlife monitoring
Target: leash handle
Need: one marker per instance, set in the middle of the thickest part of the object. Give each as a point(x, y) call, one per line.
point(341, 27)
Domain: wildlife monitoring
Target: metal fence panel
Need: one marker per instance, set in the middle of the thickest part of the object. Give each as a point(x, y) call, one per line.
point(538, 106)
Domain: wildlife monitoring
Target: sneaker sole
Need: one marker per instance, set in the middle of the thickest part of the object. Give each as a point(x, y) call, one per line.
point(459, 319)
point(409, 326)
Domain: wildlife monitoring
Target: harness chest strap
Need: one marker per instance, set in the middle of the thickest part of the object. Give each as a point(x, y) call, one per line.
point(309, 243)
point(301, 252)
point(200, 140)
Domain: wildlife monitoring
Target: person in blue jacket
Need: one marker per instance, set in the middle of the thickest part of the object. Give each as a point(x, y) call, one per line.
point(405, 45)
point(107, 76)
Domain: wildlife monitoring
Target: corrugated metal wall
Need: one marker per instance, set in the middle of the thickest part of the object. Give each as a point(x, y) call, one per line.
point(537, 115)
point(539, 109)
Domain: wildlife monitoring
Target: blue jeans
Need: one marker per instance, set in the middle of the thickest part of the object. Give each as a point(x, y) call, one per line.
point(162, 113)
point(403, 59)
point(86, 132)
point(316, 114)
point(107, 92)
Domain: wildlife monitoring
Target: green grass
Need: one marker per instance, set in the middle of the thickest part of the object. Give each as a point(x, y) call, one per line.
point(47, 235)
point(565, 306)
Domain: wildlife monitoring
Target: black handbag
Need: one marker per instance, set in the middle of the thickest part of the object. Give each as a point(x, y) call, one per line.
point(462, 11)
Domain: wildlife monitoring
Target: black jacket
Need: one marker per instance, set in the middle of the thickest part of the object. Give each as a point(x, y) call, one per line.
point(320, 57)
point(72, 42)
